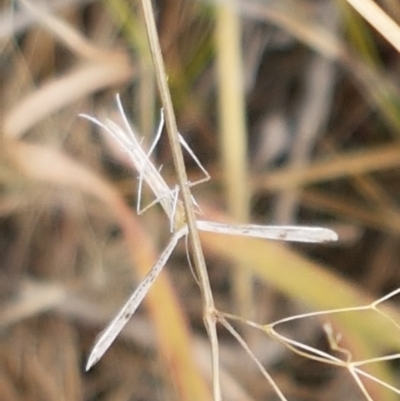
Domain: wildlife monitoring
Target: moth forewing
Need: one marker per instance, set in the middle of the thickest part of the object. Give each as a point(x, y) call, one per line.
point(109, 334)
point(284, 233)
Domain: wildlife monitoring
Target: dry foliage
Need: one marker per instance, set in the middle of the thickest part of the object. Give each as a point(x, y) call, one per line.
point(292, 106)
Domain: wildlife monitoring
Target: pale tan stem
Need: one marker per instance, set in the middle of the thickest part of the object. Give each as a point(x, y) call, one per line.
point(198, 257)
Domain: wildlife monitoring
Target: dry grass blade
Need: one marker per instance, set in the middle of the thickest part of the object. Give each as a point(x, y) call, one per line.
point(338, 166)
point(233, 130)
point(381, 90)
point(35, 298)
point(23, 19)
point(65, 33)
point(68, 89)
point(312, 117)
point(73, 249)
point(385, 220)
point(101, 68)
point(385, 25)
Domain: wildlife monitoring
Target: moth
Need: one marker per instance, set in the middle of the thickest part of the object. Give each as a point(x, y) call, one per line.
point(169, 200)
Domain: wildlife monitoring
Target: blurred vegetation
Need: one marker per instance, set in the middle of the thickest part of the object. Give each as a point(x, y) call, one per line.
point(296, 116)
